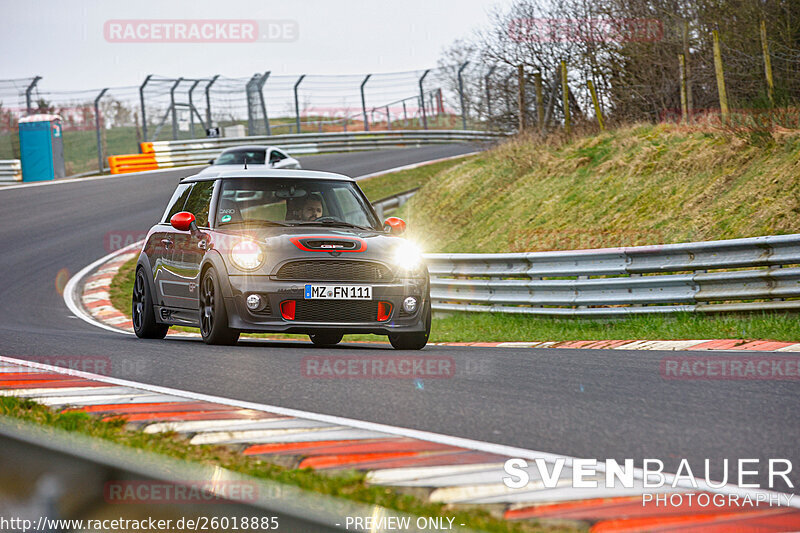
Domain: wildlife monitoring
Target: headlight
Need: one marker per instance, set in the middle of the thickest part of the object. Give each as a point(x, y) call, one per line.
point(247, 255)
point(407, 255)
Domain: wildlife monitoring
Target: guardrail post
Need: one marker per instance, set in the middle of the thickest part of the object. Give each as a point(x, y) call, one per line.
point(191, 108)
point(208, 99)
point(97, 130)
point(141, 102)
point(364, 102)
point(174, 109)
point(461, 95)
point(297, 102)
point(261, 82)
point(422, 99)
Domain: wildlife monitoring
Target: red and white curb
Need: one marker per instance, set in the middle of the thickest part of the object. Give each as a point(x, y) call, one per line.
point(88, 296)
point(452, 470)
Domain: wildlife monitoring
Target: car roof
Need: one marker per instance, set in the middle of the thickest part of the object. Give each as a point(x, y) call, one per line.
point(267, 173)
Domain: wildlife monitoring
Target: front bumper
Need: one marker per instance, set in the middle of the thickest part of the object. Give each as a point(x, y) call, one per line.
point(333, 316)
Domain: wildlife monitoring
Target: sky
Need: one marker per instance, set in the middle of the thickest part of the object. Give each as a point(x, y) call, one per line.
point(76, 45)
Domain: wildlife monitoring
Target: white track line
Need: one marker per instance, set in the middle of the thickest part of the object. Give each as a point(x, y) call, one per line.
point(460, 442)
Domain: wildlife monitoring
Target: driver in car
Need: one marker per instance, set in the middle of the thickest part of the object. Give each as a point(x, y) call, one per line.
point(312, 208)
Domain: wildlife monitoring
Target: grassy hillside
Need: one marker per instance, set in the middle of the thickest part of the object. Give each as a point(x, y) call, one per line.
point(633, 186)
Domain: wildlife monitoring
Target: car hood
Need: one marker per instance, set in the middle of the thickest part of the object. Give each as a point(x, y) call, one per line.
point(283, 244)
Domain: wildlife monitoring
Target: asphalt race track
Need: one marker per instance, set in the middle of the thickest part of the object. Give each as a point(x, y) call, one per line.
point(585, 403)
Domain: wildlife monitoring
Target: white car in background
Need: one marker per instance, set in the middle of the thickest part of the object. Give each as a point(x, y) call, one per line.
point(257, 157)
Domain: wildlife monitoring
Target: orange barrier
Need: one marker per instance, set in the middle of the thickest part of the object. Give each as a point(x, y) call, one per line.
point(120, 164)
point(147, 148)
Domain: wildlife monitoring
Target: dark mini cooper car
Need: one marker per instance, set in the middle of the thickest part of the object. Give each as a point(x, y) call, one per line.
point(287, 251)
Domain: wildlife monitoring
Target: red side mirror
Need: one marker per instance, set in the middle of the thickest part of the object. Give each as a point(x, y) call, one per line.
point(182, 221)
point(395, 225)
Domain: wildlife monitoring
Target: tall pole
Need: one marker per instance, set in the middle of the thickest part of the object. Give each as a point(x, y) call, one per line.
point(191, 107)
point(250, 88)
point(28, 92)
point(461, 95)
point(723, 95)
point(767, 63)
point(521, 96)
point(488, 92)
point(141, 102)
point(208, 99)
point(364, 102)
point(537, 83)
point(97, 130)
point(174, 109)
point(596, 103)
point(687, 70)
point(684, 100)
point(297, 102)
point(422, 99)
point(565, 96)
point(261, 82)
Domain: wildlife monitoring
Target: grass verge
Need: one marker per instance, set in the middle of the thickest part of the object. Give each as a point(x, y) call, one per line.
point(385, 185)
point(346, 484)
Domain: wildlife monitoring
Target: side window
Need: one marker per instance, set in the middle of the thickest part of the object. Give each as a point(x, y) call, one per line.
point(199, 200)
point(350, 207)
point(177, 201)
point(276, 156)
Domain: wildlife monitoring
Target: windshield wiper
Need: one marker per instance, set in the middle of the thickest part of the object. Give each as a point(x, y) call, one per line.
point(266, 223)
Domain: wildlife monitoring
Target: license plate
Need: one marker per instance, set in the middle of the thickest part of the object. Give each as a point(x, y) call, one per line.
point(338, 292)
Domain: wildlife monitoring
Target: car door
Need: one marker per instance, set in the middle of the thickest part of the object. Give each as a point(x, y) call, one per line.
point(160, 242)
point(179, 286)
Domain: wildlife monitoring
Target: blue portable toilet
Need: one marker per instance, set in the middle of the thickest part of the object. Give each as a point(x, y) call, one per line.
point(41, 147)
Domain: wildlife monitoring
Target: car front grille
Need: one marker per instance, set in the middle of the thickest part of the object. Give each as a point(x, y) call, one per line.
point(334, 270)
point(336, 311)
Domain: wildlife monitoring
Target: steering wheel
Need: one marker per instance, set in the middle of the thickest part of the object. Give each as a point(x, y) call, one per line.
point(327, 219)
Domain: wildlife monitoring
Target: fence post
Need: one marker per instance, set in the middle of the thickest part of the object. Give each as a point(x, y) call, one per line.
point(422, 99)
point(261, 82)
point(521, 96)
point(565, 96)
point(723, 96)
point(596, 103)
point(364, 102)
point(684, 100)
point(461, 95)
point(208, 100)
point(297, 102)
point(28, 92)
point(687, 70)
point(191, 107)
point(488, 92)
point(174, 109)
point(537, 82)
point(97, 130)
point(388, 119)
point(249, 89)
point(767, 63)
point(141, 102)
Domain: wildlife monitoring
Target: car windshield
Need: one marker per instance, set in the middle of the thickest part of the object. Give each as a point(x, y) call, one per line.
point(237, 157)
point(294, 202)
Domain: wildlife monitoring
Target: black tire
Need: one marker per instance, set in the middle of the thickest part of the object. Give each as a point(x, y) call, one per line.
point(213, 316)
point(326, 338)
point(414, 341)
point(142, 314)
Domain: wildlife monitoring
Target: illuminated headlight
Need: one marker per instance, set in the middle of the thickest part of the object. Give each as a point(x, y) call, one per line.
point(247, 255)
point(407, 255)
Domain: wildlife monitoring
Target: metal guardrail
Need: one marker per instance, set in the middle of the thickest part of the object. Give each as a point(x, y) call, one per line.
point(750, 275)
point(10, 170)
point(199, 151)
point(392, 202)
